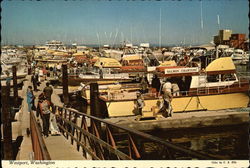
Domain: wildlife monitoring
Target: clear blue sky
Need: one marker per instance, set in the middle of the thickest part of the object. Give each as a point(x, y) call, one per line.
point(34, 22)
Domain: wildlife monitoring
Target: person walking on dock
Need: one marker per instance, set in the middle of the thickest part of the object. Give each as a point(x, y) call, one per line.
point(48, 90)
point(34, 80)
point(30, 98)
point(45, 73)
point(45, 108)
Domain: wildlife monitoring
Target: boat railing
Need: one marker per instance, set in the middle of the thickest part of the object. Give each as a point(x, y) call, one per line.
point(243, 75)
point(104, 140)
point(216, 89)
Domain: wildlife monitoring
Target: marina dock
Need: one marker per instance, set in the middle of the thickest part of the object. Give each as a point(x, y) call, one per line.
point(187, 120)
point(61, 148)
point(58, 147)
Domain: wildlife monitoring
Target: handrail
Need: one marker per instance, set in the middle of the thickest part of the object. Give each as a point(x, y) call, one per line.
point(39, 148)
point(132, 133)
point(216, 88)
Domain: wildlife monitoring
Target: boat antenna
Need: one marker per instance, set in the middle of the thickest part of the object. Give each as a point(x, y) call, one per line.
point(201, 17)
point(115, 36)
point(160, 30)
point(218, 21)
point(106, 37)
point(98, 40)
point(131, 35)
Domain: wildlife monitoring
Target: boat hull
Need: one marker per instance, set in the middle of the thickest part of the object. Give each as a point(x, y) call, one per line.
point(180, 104)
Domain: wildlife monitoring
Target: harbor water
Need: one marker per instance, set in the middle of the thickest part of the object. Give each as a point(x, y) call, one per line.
point(228, 142)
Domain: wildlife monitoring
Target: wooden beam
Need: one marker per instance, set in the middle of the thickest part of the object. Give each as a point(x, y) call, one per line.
point(6, 119)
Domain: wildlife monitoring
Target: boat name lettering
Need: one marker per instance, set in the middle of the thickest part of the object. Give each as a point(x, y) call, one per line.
point(181, 70)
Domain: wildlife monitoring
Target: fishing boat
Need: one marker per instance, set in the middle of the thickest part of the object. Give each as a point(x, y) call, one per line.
point(214, 87)
point(112, 90)
point(240, 57)
point(6, 71)
point(111, 74)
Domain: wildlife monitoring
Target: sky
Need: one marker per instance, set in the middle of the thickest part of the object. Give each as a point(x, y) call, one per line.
point(166, 22)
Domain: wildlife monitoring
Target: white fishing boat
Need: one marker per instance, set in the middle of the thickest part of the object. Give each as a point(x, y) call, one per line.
point(239, 56)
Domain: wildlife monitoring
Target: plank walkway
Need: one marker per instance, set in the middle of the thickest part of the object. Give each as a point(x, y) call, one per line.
point(58, 147)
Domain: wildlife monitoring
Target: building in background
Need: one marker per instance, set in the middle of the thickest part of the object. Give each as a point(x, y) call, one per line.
point(225, 37)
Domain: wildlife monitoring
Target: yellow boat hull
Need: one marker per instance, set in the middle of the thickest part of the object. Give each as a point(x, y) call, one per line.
point(180, 104)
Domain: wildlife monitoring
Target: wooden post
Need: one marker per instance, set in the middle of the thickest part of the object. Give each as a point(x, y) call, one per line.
point(95, 111)
point(94, 101)
point(6, 119)
point(15, 88)
point(65, 84)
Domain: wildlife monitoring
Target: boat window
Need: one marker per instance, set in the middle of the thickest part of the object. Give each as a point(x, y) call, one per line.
point(213, 78)
point(228, 77)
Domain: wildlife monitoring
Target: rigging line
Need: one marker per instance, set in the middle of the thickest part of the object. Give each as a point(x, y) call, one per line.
point(198, 100)
point(188, 104)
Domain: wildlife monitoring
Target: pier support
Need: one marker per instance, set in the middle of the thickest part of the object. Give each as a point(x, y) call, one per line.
point(95, 111)
point(15, 88)
point(6, 120)
point(65, 84)
point(94, 101)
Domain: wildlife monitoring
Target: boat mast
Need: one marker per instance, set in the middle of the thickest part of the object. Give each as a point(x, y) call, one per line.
point(201, 17)
point(98, 40)
point(131, 34)
point(160, 31)
point(218, 21)
point(160, 35)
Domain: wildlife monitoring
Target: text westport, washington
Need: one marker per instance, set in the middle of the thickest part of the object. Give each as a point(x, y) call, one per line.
point(12, 162)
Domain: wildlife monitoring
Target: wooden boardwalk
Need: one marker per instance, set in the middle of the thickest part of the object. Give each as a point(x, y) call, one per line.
point(58, 147)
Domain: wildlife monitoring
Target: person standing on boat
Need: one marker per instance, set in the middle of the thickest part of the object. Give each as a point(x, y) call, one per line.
point(54, 71)
point(30, 98)
point(156, 84)
point(144, 85)
point(167, 86)
point(140, 103)
point(8, 78)
point(101, 71)
point(166, 109)
point(176, 89)
point(48, 90)
point(58, 68)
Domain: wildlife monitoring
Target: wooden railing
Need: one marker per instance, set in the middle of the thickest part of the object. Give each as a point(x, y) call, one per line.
point(103, 140)
point(38, 145)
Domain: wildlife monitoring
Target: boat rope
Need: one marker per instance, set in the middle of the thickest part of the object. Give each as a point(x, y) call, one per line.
point(198, 101)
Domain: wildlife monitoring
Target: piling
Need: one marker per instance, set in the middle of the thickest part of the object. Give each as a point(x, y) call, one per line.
point(15, 88)
point(65, 84)
point(6, 119)
point(94, 101)
point(95, 111)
